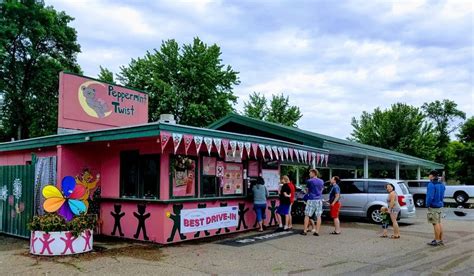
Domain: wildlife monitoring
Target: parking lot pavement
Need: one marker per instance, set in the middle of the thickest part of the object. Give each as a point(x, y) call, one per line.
point(358, 250)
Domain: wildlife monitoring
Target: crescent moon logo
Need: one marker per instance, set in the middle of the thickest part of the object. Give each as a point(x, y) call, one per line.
point(84, 102)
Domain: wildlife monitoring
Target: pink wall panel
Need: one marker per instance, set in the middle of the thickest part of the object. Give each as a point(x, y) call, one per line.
point(21, 157)
point(159, 226)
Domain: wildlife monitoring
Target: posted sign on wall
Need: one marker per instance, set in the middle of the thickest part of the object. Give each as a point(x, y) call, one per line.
point(88, 104)
point(193, 220)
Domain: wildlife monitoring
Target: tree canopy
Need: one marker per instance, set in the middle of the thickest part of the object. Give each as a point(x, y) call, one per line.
point(465, 153)
point(36, 43)
point(189, 82)
point(280, 111)
point(106, 75)
point(400, 128)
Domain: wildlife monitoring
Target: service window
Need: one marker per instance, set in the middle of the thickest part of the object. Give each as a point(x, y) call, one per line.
point(352, 187)
point(183, 174)
point(377, 187)
point(209, 181)
point(139, 175)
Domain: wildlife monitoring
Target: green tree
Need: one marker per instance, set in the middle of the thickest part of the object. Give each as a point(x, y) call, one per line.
point(401, 128)
point(256, 107)
point(279, 110)
point(36, 43)
point(465, 153)
point(189, 82)
point(106, 75)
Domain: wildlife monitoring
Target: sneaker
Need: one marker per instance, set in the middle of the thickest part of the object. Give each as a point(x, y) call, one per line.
point(279, 229)
point(440, 243)
point(433, 243)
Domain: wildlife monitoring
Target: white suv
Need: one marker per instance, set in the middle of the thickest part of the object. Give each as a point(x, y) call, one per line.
point(365, 197)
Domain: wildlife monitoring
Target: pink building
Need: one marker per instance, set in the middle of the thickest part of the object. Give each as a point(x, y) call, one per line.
point(159, 182)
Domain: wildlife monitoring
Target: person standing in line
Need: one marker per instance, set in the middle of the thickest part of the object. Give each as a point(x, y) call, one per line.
point(335, 204)
point(260, 195)
point(292, 200)
point(284, 207)
point(393, 209)
point(434, 201)
point(314, 205)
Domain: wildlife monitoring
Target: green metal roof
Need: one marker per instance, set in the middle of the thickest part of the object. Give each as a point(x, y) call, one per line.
point(323, 141)
point(141, 131)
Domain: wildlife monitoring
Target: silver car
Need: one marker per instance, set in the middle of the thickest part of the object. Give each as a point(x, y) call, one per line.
point(365, 197)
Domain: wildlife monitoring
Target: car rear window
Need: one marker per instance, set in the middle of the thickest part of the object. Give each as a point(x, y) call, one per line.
point(403, 187)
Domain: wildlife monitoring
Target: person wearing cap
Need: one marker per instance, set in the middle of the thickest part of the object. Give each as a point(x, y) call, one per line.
point(434, 202)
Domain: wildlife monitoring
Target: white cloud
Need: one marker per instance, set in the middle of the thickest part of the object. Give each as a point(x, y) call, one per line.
point(334, 59)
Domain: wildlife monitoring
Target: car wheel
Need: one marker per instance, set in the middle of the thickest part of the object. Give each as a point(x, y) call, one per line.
point(298, 209)
point(460, 197)
point(374, 215)
point(419, 202)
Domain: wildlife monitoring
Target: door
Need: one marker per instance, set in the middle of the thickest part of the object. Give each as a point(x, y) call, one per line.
point(353, 197)
point(16, 199)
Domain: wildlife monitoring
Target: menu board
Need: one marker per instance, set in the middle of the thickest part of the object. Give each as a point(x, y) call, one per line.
point(233, 179)
point(272, 179)
point(209, 165)
point(253, 169)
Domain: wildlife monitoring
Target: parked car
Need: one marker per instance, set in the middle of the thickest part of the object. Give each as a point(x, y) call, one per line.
point(364, 198)
point(460, 193)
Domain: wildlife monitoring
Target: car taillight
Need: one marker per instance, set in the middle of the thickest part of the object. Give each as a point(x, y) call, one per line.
point(401, 200)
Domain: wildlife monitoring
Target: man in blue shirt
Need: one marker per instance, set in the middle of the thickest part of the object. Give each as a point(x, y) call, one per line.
point(314, 204)
point(434, 202)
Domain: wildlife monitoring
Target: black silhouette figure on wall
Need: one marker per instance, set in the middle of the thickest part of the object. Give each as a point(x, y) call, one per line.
point(117, 217)
point(272, 209)
point(198, 233)
point(242, 211)
point(176, 218)
point(141, 216)
point(227, 230)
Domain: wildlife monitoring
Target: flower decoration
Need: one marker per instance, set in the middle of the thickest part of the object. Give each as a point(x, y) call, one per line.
point(3, 193)
point(67, 201)
point(17, 186)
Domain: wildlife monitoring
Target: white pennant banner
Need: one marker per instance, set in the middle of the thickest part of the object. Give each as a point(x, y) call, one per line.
point(247, 146)
point(269, 149)
point(280, 152)
point(177, 137)
point(218, 144)
point(262, 150)
point(241, 148)
point(208, 143)
point(198, 141)
point(275, 151)
point(233, 147)
point(285, 150)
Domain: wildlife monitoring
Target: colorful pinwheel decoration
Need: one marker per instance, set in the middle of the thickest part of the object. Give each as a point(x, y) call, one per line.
point(67, 201)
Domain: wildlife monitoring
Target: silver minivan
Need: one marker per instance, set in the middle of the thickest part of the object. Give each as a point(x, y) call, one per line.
point(365, 197)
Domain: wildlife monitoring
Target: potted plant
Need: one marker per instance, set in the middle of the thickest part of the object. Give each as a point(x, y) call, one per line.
point(66, 228)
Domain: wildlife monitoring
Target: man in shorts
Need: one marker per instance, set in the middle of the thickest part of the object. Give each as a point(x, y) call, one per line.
point(335, 204)
point(314, 205)
point(434, 201)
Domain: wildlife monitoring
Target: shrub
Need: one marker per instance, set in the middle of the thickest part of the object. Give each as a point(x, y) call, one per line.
point(53, 222)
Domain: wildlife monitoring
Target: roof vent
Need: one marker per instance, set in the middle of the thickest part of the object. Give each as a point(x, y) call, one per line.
point(167, 118)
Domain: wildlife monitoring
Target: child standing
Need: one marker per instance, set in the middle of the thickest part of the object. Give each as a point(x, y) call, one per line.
point(385, 221)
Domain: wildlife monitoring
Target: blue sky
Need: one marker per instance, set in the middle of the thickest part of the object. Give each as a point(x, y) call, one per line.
point(334, 59)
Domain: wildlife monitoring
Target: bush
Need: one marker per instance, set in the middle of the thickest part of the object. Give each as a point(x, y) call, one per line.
point(52, 222)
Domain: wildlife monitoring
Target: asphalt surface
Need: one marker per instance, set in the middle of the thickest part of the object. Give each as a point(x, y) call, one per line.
point(357, 251)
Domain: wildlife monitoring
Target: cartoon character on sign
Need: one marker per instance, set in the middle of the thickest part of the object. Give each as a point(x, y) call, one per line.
point(198, 233)
point(117, 217)
point(92, 106)
point(141, 217)
point(272, 209)
point(242, 211)
point(68, 243)
point(176, 218)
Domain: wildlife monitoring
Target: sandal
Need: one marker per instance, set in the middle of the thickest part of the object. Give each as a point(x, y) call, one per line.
point(384, 236)
point(260, 230)
point(303, 233)
point(394, 237)
point(335, 233)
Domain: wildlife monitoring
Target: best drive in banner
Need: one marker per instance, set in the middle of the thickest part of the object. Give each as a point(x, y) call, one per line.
point(193, 220)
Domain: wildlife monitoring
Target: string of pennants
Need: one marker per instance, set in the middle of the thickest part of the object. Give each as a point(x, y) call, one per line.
point(251, 149)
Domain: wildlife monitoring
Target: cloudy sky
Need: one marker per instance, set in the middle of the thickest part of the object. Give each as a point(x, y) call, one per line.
point(334, 59)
